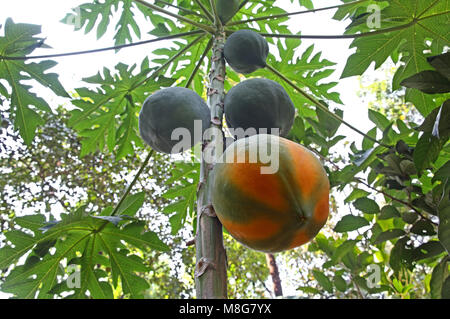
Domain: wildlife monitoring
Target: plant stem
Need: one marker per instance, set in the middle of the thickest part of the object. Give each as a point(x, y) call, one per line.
point(211, 266)
point(216, 15)
point(199, 63)
point(205, 11)
point(181, 8)
point(243, 3)
point(202, 26)
point(128, 190)
point(343, 36)
point(283, 15)
point(322, 106)
point(173, 36)
point(396, 200)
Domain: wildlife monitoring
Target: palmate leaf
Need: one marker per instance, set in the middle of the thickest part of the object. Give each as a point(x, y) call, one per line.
point(307, 70)
point(184, 194)
point(109, 115)
point(99, 242)
point(424, 20)
point(86, 15)
point(20, 40)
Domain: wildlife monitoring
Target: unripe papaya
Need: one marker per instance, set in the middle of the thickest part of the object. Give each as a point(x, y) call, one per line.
point(170, 109)
point(270, 211)
point(226, 9)
point(246, 51)
point(260, 104)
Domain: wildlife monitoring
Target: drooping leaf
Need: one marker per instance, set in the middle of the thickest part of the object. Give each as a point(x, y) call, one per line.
point(350, 223)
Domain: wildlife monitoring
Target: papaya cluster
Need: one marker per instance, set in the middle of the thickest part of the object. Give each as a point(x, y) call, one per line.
point(269, 212)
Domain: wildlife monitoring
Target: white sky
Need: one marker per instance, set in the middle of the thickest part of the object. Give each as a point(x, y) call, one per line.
point(62, 38)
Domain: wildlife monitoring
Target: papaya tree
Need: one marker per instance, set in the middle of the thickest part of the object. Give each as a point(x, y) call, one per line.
point(397, 176)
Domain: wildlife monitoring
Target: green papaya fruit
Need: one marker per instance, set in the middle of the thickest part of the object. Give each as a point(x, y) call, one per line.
point(260, 104)
point(169, 109)
point(246, 51)
point(226, 9)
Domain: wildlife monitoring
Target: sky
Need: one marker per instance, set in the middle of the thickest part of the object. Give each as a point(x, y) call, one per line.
point(63, 38)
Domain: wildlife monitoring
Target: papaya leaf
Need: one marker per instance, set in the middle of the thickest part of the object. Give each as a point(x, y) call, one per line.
point(429, 82)
point(77, 234)
point(108, 116)
point(20, 40)
point(184, 194)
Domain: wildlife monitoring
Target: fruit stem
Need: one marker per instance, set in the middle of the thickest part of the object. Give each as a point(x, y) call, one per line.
point(322, 106)
point(199, 63)
point(205, 11)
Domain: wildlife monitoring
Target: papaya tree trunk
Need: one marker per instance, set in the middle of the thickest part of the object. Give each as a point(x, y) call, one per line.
point(211, 266)
point(273, 269)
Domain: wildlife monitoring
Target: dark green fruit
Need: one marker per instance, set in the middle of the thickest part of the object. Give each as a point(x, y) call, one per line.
point(260, 104)
point(246, 51)
point(167, 110)
point(226, 9)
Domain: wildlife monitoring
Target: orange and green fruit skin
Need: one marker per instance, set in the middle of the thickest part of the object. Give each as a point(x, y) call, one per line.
point(271, 212)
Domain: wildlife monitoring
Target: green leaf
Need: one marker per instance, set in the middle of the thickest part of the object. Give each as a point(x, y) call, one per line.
point(323, 280)
point(367, 205)
point(428, 250)
point(424, 228)
point(401, 255)
point(378, 119)
point(343, 249)
point(340, 283)
point(132, 204)
point(430, 82)
point(442, 173)
point(427, 151)
point(444, 228)
point(350, 223)
point(389, 235)
point(355, 194)
point(108, 116)
point(441, 63)
point(20, 40)
point(388, 212)
point(437, 279)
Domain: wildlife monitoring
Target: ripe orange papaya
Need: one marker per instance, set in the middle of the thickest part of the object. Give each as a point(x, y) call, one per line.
point(270, 212)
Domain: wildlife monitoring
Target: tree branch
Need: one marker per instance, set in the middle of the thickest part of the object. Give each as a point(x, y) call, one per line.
point(395, 199)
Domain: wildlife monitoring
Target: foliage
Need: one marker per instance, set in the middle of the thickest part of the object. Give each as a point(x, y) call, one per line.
point(396, 180)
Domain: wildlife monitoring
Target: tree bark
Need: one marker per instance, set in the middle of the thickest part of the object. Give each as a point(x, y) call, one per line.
point(211, 267)
point(273, 269)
